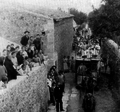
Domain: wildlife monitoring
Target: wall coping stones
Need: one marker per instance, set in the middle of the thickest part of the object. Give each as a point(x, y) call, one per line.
point(113, 46)
point(26, 92)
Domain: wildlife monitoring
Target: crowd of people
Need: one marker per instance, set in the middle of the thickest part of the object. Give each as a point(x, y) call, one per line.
point(19, 60)
point(56, 85)
point(87, 79)
point(84, 45)
point(88, 49)
point(68, 64)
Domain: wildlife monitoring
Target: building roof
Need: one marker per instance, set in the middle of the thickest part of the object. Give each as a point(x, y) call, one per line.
point(50, 13)
point(55, 14)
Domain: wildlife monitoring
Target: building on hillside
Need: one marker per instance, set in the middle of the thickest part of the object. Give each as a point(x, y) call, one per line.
point(58, 26)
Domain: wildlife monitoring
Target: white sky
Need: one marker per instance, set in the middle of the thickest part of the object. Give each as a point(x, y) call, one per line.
point(81, 5)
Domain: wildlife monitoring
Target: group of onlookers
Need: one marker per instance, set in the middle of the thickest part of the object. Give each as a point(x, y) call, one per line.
point(68, 64)
point(19, 60)
point(56, 85)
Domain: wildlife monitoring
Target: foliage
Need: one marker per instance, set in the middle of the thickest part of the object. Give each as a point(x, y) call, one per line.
point(105, 21)
point(79, 17)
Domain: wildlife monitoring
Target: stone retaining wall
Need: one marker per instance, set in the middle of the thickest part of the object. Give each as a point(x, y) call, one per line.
point(111, 52)
point(27, 93)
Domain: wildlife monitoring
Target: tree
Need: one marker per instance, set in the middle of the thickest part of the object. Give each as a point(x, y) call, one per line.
point(79, 17)
point(105, 21)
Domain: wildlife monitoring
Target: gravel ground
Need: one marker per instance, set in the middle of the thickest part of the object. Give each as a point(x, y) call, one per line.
point(104, 99)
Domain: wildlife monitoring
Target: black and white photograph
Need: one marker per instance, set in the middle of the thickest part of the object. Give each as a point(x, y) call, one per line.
point(59, 55)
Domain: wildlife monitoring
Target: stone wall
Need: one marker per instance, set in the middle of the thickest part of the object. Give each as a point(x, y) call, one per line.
point(13, 23)
point(49, 28)
point(27, 93)
point(63, 39)
point(111, 52)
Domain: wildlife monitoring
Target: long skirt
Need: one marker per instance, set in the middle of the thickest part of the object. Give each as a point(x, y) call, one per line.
point(65, 66)
point(48, 92)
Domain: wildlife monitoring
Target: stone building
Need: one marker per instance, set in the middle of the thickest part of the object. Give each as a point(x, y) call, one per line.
point(58, 26)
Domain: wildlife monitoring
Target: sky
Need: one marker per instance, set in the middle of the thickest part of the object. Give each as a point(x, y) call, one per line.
point(82, 5)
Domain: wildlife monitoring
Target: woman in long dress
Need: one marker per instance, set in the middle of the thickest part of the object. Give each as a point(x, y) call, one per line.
point(65, 66)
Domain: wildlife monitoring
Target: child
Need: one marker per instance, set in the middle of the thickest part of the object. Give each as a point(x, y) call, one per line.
point(36, 52)
point(24, 69)
point(36, 59)
point(30, 63)
point(24, 53)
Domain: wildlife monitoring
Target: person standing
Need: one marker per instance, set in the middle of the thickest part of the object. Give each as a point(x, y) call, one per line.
point(61, 80)
point(65, 66)
point(68, 63)
point(81, 71)
point(72, 64)
point(58, 93)
point(25, 38)
point(37, 42)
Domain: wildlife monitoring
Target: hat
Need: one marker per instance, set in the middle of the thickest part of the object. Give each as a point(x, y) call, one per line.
point(26, 31)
